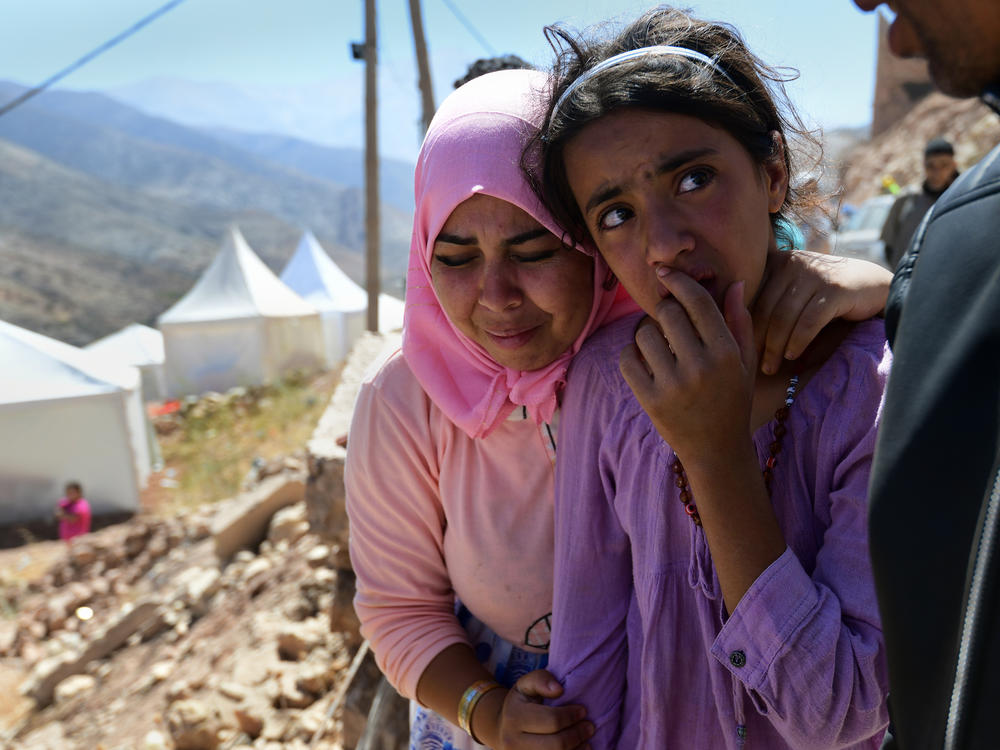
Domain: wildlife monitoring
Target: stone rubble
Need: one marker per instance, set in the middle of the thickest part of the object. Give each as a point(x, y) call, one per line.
point(229, 626)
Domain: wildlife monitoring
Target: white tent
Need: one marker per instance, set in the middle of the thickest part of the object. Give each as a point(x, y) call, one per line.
point(342, 303)
point(65, 415)
point(238, 325)
point(390, 313)
point(137, 345)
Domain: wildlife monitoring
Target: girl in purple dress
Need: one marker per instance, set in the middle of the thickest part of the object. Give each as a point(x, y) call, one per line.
point(712, 581)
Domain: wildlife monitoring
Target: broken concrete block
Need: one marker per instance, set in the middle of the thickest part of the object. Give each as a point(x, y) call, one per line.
point(243, 522)
point(50, 672)
point(289, 524)
point(73, 686)
point(193, 725)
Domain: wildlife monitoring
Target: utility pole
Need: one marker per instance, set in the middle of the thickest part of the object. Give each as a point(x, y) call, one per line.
point(420, 44)
point(371, 167)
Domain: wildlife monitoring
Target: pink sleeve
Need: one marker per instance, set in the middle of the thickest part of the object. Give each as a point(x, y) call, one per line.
point(404, 595)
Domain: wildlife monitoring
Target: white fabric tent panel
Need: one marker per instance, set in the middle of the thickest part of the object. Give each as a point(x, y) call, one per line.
point(154, 383)
point(390, 313)
point(213, 355)
point(313, 274)
point(45, 444)
point(237, 284)
point(334, 337)
point(340, 330)
point(140, 434)
point(135, 344)
point(292, 344)
point(37, 368)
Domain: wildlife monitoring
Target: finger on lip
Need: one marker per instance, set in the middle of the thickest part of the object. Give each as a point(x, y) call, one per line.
point(674, 281)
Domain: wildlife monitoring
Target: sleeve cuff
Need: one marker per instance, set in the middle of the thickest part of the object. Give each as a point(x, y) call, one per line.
point(765, 620)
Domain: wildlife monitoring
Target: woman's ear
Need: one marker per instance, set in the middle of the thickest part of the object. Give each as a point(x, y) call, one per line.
point(776, 174)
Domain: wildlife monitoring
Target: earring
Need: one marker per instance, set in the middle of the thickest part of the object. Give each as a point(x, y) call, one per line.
point(609, 281)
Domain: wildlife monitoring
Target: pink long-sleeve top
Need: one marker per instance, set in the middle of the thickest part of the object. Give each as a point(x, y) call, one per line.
point(436, 515)
point(640, 635)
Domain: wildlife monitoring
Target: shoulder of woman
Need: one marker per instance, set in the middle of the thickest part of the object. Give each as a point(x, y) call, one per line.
point(393, 379)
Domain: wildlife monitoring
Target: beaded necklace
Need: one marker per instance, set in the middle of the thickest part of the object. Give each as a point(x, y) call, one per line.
point(681, 480)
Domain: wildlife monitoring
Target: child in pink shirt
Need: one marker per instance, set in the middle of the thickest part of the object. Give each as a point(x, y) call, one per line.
point(73, 512)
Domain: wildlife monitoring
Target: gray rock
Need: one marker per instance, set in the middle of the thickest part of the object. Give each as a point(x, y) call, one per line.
point(73, 686)
point(50, 672)
point(193, 725)
point(243, 522)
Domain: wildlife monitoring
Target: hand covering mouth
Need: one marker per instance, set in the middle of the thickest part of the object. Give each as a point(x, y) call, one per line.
point(704, 276)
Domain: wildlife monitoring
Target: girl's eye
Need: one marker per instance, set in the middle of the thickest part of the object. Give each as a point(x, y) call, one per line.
point(613, 217)
point(696, 178)
point(453, 261)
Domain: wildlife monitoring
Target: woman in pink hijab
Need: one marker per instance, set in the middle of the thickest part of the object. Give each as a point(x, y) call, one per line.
point(452, 447)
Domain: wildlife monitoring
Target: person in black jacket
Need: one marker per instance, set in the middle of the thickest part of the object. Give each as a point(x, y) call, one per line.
point(935, 486)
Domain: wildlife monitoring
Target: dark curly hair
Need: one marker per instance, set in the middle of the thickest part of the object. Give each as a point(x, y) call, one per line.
point(736, 92)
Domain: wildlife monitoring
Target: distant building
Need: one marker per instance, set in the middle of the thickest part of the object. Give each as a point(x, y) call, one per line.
point(899, 84)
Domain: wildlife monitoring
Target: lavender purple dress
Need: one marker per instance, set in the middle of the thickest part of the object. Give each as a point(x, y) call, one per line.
point(640, 635)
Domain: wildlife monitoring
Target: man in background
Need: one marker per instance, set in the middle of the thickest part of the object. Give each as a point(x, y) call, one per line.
point(935, 486)
point(485, 65)
point(909, 208)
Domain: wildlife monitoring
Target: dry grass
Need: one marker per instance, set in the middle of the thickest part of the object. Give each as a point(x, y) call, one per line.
point(209, 455)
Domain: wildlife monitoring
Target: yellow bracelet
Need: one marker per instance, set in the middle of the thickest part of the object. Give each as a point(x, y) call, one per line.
point(470, 698)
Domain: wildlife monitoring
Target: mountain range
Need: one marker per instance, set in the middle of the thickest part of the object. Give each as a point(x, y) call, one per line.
point(108, 214)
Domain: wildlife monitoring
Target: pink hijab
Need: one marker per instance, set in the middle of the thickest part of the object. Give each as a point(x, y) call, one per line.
point(474, 145)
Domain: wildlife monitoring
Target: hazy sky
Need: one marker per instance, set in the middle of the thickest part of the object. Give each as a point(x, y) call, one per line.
point(301, 43)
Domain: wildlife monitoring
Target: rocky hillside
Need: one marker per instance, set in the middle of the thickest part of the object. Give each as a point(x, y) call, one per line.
point(84, 178)
point(972, 127)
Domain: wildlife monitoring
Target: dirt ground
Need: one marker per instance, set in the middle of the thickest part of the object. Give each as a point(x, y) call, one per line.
point(223, 654)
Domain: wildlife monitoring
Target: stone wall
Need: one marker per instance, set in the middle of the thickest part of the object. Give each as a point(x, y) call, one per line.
point(326, 451)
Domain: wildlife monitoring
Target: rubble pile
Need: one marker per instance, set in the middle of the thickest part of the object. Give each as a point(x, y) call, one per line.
point(143, 635)
point(231, 626)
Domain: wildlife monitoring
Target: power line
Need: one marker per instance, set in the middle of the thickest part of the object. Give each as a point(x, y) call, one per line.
point(89, 56)
point(469, 27)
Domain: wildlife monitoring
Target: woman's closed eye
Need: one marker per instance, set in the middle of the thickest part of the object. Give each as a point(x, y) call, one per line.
point(454, 261)
point(535, 257)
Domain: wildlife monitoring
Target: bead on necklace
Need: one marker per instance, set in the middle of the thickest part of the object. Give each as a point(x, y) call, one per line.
point(780, 430)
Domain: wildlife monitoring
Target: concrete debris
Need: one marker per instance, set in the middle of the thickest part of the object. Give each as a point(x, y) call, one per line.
point(193, 725)
point(243, 522)
point(73, 687)
point(230, 625)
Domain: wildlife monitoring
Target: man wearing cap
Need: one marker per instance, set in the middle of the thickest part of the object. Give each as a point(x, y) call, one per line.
point(905, 215)
point(934, 495)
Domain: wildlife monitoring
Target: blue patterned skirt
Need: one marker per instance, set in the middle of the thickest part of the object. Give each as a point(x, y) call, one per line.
point(505, 661)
